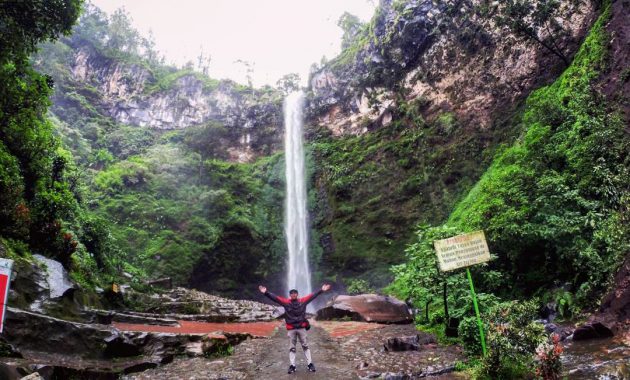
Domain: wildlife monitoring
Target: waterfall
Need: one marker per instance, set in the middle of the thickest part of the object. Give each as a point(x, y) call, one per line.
point(295, 212)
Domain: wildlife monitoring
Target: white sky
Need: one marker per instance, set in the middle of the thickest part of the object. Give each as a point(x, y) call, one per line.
point(279, 36)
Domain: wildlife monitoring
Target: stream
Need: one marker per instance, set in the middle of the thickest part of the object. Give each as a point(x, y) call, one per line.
point(602, 359)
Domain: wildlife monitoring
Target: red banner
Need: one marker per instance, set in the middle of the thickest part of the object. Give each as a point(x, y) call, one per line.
point(5, 281)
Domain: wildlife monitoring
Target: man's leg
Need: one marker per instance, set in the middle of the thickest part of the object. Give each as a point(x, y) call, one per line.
point(302, 335)
point(293, 336)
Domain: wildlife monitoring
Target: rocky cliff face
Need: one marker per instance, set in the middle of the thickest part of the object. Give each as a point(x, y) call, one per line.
point(134, 94)
point(445, 57)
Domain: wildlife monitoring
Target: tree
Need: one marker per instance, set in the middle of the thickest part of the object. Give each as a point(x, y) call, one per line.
point(533, 20)
point(148, 50)
point(249, 72)
point(206, 140)
point(203, 62)
point(420, 280)
point(122, 35)
point(289, 83)
point(33, 178)
point(23, 24)
point(93, 25)
point(351, 26)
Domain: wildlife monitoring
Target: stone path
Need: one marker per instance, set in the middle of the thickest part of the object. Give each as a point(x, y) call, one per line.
point(341, 350)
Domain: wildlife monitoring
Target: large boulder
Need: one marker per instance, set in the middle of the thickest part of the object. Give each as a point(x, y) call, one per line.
point(366, 308)
point(42, 285)
point(615, 308)
point(57, 277)
point(592, 330)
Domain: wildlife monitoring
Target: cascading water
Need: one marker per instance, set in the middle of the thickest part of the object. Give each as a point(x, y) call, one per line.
point(295, 213)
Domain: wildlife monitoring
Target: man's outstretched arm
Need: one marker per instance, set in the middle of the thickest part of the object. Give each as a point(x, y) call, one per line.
point(273, 297)
point(312, 296)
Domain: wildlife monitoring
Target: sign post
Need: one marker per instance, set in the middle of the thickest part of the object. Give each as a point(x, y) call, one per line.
point(463, 251)
point(6, 266)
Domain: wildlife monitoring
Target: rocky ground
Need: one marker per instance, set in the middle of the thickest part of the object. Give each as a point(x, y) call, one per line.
point(341, 350)
point(190, 335)
point(190, 304)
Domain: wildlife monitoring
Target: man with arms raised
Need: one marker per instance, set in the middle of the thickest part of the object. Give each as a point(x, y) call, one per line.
point(295, 318)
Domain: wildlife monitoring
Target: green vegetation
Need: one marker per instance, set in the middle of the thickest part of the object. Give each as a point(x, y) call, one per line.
point(41, 201)
point(551, 204)
point(357, 286)
point(552, 209)
point(219, 350)
point(512, 338)
point(166, 82)
point(371, 189)
point(356, 38)
point(197, 220)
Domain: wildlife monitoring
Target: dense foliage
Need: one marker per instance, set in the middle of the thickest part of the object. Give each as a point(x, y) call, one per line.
point(40, 202)
point(196, 220)
point(553, 206)
point(371, 189)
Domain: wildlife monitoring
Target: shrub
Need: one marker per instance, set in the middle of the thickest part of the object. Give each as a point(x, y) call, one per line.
point(358, 286)
point(512, 339)
point(548, 359)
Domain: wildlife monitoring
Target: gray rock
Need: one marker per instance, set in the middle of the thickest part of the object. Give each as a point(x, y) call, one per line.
point(106, 317)
point(53, 282)
point(396, 376)
point(551, 328)
point(30, 332)
point(9, 372)
point(193, 305)
point(56, 276)
point(408, 343)
point(592, 330)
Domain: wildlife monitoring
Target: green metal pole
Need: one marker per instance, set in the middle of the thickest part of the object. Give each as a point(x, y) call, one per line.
point(474, 297)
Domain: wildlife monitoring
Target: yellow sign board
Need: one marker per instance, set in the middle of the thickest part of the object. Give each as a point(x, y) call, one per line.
point(462, 251)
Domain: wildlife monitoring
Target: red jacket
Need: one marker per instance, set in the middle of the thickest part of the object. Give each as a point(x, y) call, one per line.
point(294, 310)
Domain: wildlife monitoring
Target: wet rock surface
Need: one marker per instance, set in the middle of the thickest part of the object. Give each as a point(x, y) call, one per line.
point(97, 351)
point(409, 343)
point(366, 308)
point(56, 277)
point(365, 351)
point(36, 332)
point(494, 69)
point(597, 359)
